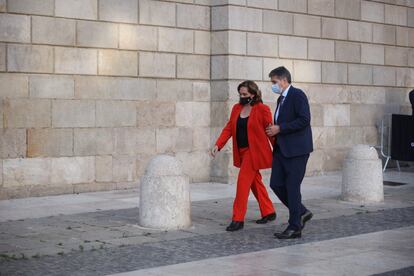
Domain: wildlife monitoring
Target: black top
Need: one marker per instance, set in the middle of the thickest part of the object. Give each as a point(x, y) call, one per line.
point(241, 134)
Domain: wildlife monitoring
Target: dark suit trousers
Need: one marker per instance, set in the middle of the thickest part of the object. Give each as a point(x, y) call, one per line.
point(286, 178)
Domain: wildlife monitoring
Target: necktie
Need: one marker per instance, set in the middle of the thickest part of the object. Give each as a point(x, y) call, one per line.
point(282, 99)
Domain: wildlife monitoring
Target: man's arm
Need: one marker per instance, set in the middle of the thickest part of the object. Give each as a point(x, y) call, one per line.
point(303, 118)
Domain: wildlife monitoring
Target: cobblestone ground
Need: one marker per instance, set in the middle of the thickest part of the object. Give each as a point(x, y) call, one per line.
point(107, 242)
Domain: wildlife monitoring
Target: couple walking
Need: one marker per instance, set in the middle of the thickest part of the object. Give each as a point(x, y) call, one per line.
point(254, 133)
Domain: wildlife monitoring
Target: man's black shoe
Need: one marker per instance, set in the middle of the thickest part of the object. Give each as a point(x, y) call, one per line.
point(306, 217)
point(235, 225)
point(289, 234)
point(266, 219)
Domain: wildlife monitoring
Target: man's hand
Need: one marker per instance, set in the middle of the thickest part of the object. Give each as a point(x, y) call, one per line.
point(272, 130)
point(214, 151)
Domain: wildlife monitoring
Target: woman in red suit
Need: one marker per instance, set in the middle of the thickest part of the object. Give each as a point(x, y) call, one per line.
point(252, 151)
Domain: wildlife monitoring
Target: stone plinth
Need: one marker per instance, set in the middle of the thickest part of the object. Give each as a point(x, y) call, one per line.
point(362, 176)
point(164, 195)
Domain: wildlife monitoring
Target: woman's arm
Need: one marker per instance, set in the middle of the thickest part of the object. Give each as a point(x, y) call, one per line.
point(224, 136)
point(267, 120)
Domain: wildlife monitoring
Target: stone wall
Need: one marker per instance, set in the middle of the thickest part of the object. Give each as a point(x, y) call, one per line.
point(354, 59)
point(91, 89)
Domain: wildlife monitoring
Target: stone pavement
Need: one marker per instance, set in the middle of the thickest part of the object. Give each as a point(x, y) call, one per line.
point(97, 234)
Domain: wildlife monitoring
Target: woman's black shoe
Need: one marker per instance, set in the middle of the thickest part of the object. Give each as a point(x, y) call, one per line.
point(235, 225)
point(266, 219)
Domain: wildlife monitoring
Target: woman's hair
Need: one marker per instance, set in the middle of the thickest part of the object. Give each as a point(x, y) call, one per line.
point(253, 89)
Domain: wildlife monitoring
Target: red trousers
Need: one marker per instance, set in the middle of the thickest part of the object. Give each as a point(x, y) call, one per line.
point(250, 178)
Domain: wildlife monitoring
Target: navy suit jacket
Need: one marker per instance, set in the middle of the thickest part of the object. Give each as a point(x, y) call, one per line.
point(295, 136)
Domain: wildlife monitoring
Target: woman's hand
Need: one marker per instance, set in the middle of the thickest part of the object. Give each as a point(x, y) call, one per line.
point(214, 151)
point(272, 130)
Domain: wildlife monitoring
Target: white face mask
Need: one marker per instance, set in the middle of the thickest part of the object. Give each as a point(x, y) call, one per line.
point(276, 88)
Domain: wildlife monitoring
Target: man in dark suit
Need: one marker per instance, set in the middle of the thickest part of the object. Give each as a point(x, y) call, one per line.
point(291, 150)
point(411, 96)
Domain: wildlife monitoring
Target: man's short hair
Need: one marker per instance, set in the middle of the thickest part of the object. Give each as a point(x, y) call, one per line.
point(281, 73)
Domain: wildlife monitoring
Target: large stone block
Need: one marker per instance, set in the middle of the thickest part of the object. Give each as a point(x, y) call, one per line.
point(240, 68)
point(266, 4)
point(202, 41)
point(103, 168)
point(219, 18)
point(321, 7)
point(175, 40)
point(277, 22)
point(164, 117)
point(2, 57)
point(42, 7)
point(117, 63)
point(92, 87)
point(201, 91)
point(360, 31)
point(348, 9)
point(305, 25)
point(384, 34)
point(54, 31)
point(124, 168)
point(193, 16)
point(397, 56)
point(396, 15)
point(50, 86)
point(347, 51)
point(373, 54)
point(82, 9)
point(366, 114)
point(193, 67)
point(48, 142)
point(26, 113)
point(75, 61)
point(157, 65)
point(247, 19)
point(171, 90)
point(145, 141)
point(201, 138)
point(118, 10)
point(292, 47)
point(228, 42)
point(293, 5)
point(321, 49)
point(359, 74)
point(125, 140)
point(115, 113)
point(262, 45)
point(14, 86)
point(29, 58)
point(191, 114)
point(336, 115)
point(3, 5)
point(306, 71)
point(402, 36)
point(97, 34)
point(157, 13)
point(26, 171)
point(371, 11)
point(71, 170)
point(73, 113)
point(384, 75)
point(14, 28)
point(137, 37)
point(410, 16)
point(194, 164)
point(12, 143)
point(271, 63)
point(93, 141)
point(334, 28)
point(170, 140)
point(334, 73)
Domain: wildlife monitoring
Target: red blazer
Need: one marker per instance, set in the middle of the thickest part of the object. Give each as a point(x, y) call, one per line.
point(260, 144)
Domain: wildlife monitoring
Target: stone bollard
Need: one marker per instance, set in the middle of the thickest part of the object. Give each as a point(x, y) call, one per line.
point(164, 195)
point(362, 176)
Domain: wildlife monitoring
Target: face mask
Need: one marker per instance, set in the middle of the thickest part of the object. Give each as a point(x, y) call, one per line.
point(276, 88)
point(245, 100)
